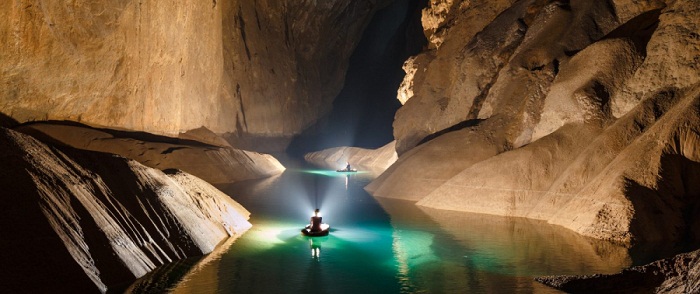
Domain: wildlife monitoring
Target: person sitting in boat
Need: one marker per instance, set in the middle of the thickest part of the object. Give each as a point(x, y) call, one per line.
point(316, 222)
point(347, 167)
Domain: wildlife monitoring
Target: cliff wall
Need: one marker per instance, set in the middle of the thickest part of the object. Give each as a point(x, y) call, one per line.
point(580, 113)
point(246, 68)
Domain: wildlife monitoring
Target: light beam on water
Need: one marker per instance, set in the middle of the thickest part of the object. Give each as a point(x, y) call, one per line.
point(385, 246)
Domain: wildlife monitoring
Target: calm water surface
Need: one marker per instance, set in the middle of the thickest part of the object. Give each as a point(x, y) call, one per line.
point(379, 245)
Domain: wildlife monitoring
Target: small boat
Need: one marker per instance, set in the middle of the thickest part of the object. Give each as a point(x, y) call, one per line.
point(325, 228)
point(347, 169)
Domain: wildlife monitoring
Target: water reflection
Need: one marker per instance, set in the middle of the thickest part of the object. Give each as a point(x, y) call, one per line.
point(315, 245)
point(386, 246)
point(484, 252)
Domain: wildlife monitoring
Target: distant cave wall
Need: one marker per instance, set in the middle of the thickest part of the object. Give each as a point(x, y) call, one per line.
point(364, 109)
point(260, 68)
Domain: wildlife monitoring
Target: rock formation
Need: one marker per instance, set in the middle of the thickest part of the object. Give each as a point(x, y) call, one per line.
point(583, 114)
point(678, 274)
point(214, 164)
point(375, 160)
point(77, 221)
point(252, 69)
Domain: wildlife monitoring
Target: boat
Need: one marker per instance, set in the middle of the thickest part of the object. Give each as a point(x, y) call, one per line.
point(325, 228)
point(347, 169)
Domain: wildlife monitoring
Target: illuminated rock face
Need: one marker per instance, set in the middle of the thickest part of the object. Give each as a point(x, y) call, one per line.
point(249, 68)
point(583, 114)
point(374, 160)
point(215, 164)
point(83, 221)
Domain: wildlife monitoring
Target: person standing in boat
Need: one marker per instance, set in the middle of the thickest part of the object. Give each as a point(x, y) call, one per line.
point(347, 167)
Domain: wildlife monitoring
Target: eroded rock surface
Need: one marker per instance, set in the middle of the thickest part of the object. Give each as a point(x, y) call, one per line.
point(259, 69)
point(212, 163)
point(81, 221)
point(375, 160)
point(583, 114)
point(678, 274)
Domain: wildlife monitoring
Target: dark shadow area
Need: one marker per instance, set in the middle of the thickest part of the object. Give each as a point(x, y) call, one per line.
point(34, 260)
point(363, 112)
point(669, 211)
point(639, 29)
point(7, 121)
point(161, 279)
point(456, 127)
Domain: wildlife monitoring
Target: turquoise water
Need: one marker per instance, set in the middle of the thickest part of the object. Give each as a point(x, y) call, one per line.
point(384, 246)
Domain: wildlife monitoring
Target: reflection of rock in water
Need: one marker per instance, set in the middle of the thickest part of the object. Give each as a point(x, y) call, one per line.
point(496, 251)
point(679, 274)
point(536, 245)
point(165, 277)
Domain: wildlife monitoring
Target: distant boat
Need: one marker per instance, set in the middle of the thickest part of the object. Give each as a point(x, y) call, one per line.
point(345, 170)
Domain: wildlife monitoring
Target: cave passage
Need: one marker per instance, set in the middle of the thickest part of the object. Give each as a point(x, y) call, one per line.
point(385, 246)
point(363, 112)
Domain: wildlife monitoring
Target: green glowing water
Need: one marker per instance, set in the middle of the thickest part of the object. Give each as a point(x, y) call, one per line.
point(385, 246)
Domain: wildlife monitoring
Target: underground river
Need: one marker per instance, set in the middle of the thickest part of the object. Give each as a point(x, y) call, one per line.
point(381, 245)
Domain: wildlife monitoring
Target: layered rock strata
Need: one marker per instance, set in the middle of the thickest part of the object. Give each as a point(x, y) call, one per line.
point(375, 160)
point(259, 69)
point(81, 221)
point(212, 163)
point(583, 114)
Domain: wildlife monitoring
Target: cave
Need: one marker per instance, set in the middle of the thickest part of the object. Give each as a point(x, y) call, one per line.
point(448, 146)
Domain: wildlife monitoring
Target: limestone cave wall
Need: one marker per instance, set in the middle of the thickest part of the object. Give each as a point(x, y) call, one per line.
point(82, 221)
point(244, 68)
point(580, 113)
